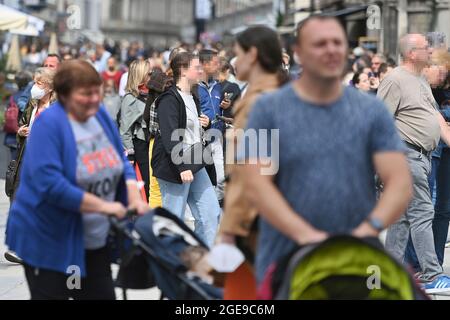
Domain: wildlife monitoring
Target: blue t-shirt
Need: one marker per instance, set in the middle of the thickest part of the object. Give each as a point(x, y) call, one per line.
point(326, 170)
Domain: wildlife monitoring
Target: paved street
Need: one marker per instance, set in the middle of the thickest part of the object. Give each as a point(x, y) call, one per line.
point(4, 156)
point(12, 280)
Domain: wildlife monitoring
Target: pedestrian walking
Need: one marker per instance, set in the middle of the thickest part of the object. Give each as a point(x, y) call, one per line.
point(322, 145)
point(74, 176)
point(409, 98)
point(182, 180)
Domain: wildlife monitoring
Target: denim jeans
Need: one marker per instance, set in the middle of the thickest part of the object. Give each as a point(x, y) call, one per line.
point(417, 220)
point(440, 179)
point(202, 200)
point(218, 158)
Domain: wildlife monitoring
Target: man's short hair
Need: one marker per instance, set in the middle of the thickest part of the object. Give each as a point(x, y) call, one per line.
point(321, 17)
point(206, 55)
point(380, 56)
point(50, 55)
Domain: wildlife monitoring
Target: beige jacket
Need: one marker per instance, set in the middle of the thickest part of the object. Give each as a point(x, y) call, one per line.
point(239, 214)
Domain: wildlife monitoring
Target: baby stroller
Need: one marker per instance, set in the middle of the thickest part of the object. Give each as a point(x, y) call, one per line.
point(342, 267)
point(164, 244)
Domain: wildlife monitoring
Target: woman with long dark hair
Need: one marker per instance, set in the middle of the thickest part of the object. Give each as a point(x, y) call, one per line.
point(260, 63)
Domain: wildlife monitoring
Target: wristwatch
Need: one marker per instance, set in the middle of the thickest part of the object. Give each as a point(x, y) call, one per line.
point(375, 223)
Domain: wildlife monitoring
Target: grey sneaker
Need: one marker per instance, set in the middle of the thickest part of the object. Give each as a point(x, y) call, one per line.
point(12, 257)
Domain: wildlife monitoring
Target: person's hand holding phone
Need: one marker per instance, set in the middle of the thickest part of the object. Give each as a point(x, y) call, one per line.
point(374, 82)
point(226, 102)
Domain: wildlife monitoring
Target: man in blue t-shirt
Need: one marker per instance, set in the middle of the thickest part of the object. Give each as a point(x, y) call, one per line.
point(326, 143)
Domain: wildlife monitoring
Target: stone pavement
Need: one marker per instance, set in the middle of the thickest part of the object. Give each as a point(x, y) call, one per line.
point(12, 278)
point(14, 287)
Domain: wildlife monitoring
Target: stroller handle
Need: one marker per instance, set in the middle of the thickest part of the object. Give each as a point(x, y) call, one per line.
point(130, 214)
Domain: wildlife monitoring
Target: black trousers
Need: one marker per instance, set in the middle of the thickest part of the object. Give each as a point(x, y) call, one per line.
point(141, 157)
point(52, 285)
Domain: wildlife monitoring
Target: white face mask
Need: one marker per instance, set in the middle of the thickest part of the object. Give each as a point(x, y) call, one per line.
point(37, 93)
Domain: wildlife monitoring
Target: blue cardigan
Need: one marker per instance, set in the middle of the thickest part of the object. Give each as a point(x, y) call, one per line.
point(45, 224)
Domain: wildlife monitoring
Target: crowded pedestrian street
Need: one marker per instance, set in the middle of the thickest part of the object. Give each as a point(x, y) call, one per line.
point(224, 150)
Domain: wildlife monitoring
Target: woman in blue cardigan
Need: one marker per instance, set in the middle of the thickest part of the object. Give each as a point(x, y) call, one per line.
point(74, 175)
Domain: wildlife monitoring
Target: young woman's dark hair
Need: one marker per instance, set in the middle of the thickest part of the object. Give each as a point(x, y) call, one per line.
point(355, 79)
point(158, 83)
point(383, 68)
point(181, 60)
point(266, 41)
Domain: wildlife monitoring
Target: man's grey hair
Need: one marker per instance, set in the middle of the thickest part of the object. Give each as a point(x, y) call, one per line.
point(408, 43)
point(381, 57)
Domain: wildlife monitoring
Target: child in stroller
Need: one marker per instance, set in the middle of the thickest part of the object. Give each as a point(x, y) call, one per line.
point(172, 252)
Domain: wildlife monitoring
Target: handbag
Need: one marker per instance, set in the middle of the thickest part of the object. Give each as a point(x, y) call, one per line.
point(11, 172)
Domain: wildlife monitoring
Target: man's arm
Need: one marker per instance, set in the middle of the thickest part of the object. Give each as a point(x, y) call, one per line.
point(390, 93)
point(445, 129)
point(263, 194)
point(205, 103)
point(393, 169)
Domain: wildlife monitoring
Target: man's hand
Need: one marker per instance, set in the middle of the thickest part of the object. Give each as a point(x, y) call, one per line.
point(225, 104)
point(311, 236)
point(365, 230)
point(187, 176)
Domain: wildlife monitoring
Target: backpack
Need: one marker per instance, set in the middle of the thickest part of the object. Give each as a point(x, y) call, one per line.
point(11, 117)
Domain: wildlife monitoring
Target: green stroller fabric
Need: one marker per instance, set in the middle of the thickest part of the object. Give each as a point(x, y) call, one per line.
point(345, 267)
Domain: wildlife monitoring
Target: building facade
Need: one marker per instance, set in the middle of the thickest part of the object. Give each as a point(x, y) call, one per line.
point(377, 30)
point(232, 16)
point(157, 22)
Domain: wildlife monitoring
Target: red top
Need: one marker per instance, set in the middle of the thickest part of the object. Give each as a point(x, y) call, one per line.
point(115, 77)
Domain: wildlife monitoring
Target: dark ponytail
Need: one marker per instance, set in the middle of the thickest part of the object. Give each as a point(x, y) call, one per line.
point(282, 76)
point(268, 45)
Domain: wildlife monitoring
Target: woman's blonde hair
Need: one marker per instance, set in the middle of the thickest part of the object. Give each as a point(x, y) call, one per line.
point(136, 75)
point(441, 57)
point(45, 75)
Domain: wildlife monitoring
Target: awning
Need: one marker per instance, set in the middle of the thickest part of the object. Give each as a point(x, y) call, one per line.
point(17, 22)
point(346, 11)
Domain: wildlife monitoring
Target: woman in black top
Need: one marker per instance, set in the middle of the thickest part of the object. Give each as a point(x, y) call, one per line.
point(177, 158)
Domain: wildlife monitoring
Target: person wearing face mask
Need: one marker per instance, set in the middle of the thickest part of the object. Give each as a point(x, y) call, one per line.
point(42, 96)
point(133, 128)
point(112, 73)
